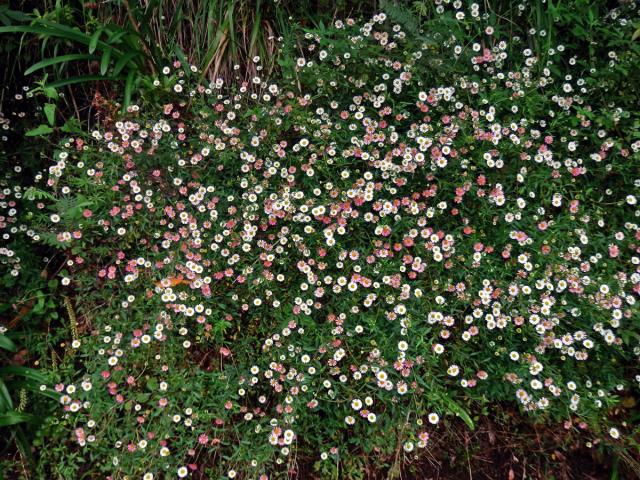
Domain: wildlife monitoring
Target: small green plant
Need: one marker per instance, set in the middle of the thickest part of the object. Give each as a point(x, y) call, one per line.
point(116, 49)
point(22, 391)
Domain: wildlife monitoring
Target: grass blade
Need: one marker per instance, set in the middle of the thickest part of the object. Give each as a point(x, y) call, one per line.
point(128, 88)
point(6, 404)
point(14, 418)
point(123, 61)
point(55, 60)
point(82, 79)
point(24, 372)
point(104, 63)
point(93, 43)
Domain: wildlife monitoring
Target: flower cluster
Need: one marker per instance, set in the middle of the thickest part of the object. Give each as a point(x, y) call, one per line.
point(347, 254)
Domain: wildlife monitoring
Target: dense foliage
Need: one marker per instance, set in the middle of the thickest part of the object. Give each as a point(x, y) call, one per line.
point(412, 220)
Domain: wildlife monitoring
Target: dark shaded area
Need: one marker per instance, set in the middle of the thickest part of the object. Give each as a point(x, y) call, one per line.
point(506, 446)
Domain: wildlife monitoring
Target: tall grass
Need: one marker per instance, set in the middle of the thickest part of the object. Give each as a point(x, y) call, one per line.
point(90, 45)
point(215, 35)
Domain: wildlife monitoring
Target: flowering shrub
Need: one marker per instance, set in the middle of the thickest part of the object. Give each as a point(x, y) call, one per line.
point(402, 227)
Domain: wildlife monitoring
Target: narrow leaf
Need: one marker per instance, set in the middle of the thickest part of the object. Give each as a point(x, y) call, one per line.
point(104, 63)
point(24, 372)
point(128, 88)
point(122, 62)
point(93, 43)
point(82, 79)
point(6, 403)
point(13, 418)
point(55, 60)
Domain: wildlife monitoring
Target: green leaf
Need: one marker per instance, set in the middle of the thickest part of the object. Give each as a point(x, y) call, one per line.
point(143, 397)
point(55, 60)
point(459, 411)
point(93, 43)
point(6, 404)
point(128, 88)
point(7, 344)
point(39, 131)
point(113, 39)
point(33, 193)
point(13, 418)
point(15, 15)
point(104, 63)
point(82, 79)
point(39, 306)
point(24, 372)
point(23, 29)
point(122, 62)
point(50, 112)
point(53, 29)
point(50, 92)
point(72, 126)
point(152, 384)
point(34, 387)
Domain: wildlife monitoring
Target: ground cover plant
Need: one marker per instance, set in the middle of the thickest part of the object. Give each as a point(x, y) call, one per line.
point(414, 221)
